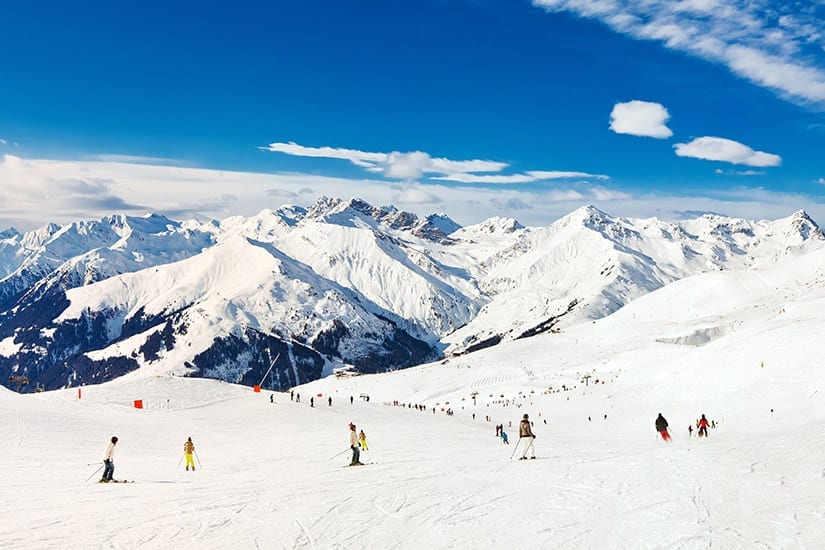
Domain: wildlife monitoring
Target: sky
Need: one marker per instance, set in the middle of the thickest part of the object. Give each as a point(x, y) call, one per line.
point(474, 108)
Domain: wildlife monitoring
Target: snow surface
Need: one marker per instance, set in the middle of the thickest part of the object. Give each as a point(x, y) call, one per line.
point(744, 348)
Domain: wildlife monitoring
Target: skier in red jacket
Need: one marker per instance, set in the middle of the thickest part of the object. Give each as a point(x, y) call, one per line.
point(703, 426)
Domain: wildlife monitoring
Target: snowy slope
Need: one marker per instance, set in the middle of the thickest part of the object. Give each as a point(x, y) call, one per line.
point(742, 347)
point(588, 265)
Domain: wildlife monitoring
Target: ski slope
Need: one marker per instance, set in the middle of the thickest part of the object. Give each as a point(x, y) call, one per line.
point(744, 348)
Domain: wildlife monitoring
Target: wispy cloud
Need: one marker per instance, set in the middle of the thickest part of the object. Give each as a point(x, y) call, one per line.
point(527, 177)
point(3, 142)
point(640, 118)
point(777, 45)
point(137, 159)
point(739, 172)
point(726, 150)
point(821, 181)
point(413, 166)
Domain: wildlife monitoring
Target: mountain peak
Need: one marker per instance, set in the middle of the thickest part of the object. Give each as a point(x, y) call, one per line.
point(346, 212)
point(443, 222)
point(9, 233)
point(800, 224)
point(588, 216)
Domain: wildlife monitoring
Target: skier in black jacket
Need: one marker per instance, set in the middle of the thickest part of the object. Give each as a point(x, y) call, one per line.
point(661, 427)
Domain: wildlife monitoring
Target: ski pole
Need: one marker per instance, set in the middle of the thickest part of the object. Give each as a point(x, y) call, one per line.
point(515, 447)
point(181, 460)
point(96, 471)
point(339, 454)
point(197, 457)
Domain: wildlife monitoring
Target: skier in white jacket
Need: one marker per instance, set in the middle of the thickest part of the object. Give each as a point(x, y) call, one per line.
point(108, 461)
point(355, 446)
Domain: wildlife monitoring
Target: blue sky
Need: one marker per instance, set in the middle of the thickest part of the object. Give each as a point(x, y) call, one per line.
point(213, 109)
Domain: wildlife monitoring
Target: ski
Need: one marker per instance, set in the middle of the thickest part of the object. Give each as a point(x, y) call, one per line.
point(118, 481)
point(358, 464)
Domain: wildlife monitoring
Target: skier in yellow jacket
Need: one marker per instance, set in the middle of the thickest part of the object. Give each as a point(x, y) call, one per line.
point(362, 438)
point(188, 449)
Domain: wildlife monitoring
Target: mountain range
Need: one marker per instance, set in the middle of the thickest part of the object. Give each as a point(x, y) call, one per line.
point(294, 294)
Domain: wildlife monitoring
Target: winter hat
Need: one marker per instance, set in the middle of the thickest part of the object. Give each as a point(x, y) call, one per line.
point(525, 415)
point(114, 439)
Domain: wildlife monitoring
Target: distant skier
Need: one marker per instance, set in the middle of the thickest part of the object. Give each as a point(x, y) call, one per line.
point(661, 427)
point(297, 397)
point(108, 461)
point(271, 397)
point(525, 433)
point(362, 439)
point(311, 401)
point(351, 399)
point(354, 445)
point(690, 430)
point(188, 449)
point(504, 438)
point(703, 427)
point(292, 395)
point(329, 401)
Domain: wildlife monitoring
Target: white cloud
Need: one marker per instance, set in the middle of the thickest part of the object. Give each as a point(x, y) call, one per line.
point(640, 118)
point(726, 150)
point(415, 194)
point(777, 45)
point(821, 181)
point(404, 166)
point(3, 142)
point(412, 166)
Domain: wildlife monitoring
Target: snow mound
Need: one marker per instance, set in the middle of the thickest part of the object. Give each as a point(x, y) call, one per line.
point(698, 337)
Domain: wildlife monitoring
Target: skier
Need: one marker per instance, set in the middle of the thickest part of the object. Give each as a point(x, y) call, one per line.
point(690, 430)
point(292, 395)
point(525, 432)
point(108, 461)
point(661, 427)
point(271, 397)
point(311, 401)
point(188, 449)
point(350, 399)
point(297, 397)
point(703, 427)
point(504, 437)
point(354, 445)
point(362, 439)
point(329, 401)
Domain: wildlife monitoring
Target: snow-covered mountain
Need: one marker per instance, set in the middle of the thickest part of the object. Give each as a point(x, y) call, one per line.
point(342, 284)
